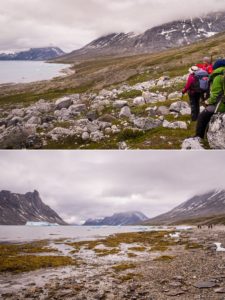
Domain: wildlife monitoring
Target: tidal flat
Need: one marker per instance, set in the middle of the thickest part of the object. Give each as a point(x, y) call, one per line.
point(167, 264)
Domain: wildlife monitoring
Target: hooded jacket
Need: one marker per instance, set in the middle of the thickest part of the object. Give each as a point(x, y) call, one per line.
point(218, 87)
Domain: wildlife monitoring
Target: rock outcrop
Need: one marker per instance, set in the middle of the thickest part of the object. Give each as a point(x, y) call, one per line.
point(216, 132)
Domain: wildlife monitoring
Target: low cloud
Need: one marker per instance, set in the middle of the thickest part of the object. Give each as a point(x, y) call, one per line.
point(71, 24)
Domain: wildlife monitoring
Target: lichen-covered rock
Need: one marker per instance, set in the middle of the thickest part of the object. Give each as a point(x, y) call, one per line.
point(192, 144)
point(119, 103)
point(147, 123)
point(163, 110)
point(175, 125)
point(216, 132)
point(96, 136)
point(139, 101)
point(174, 96)
point(181, 107)
point(125, 112)
point(64, 102)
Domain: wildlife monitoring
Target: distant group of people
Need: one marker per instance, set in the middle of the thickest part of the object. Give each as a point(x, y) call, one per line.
point(210, 226)
point(206, 85)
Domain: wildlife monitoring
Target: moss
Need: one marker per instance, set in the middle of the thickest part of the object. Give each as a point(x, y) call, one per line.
point(128, 134)
point(190, 246)
point(164, 258)
point(27, 263)
point(123, 267)
point(106, 252)
point(130, 94)
point(138, 249)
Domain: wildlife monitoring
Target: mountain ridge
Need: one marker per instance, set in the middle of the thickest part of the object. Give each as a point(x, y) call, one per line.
point(34, 54)
point(18, 209)
point(118, 219)
point(169, 35)
point(206, 206)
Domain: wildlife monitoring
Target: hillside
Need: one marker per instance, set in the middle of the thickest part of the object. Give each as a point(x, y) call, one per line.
point(119, 219)
point(205, 208)
point(18, 209)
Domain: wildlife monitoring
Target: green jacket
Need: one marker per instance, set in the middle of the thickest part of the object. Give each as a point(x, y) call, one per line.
point(218, 86)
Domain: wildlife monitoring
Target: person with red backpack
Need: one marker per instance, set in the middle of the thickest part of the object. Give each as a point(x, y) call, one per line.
point(193, 92)
point(207, 65)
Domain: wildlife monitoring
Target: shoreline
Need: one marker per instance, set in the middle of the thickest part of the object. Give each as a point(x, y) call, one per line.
point(178, 266)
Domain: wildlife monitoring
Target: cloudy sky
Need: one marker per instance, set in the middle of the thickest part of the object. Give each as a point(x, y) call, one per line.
point(80, 185)
point(71, 24)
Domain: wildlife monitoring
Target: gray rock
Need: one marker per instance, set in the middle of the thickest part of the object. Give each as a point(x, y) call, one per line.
point(147, 123)
point(181, 107)
point(64, 102)
point(63, 114)
point(204, 284)
point(220, 290)
point(43, 107)
point(92, 115)
point(123, 146)
point(139, 101)
point(14, 121)
point(175, 125)
point(59, 132)
point(96, 136)
point(125, 112)
point(216, 132)
point(15, 137)
point(18, 112)
point(175, 96)
point(119, 103)
point(76, 109)
point(192, 144)
point(163, 110)
point(85, 136)
point(34, 121)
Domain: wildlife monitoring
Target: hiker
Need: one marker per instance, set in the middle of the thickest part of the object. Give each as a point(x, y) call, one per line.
point(197, 84)
point(215, 103)
point(207, 65)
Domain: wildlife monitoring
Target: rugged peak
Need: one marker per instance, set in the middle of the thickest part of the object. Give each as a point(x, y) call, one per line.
point(18, 209)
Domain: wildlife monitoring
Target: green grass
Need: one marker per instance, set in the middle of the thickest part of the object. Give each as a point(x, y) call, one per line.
point(130, 94)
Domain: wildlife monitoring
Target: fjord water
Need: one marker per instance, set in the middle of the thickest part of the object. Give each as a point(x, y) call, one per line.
point(20, 234)
point(28, 71)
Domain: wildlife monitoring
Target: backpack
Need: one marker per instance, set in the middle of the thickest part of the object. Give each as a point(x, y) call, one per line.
point(202, 83)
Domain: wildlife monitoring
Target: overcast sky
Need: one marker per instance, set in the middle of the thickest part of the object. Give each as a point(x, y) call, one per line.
point(70, 24)
point(80, 185)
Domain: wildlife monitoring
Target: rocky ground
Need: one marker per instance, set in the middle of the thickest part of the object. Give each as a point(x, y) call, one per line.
point(191, 266)
point(147, 115)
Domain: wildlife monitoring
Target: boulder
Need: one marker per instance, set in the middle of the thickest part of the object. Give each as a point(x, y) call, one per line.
point(34, 121)
point(85, 136)
point(192, 144)
point(119, 103)
point(153, 97)
point(125, 112)
point(92, 115)
point(18, 112)
point(147, 123)
point(77, 109)
point(181, 107)
point(175, 125)
point(175, 96)
point(216, 132)
point(163, 110)
point(63, 114)
point(64, 102)
point(139, 101)
point(96, 136)
point(15, 137)
point(43, 107)
point(59, 132)
point(14, 121)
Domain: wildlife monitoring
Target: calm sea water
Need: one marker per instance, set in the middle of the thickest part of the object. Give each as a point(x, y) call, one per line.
point(28, 71)
point(29, 233)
